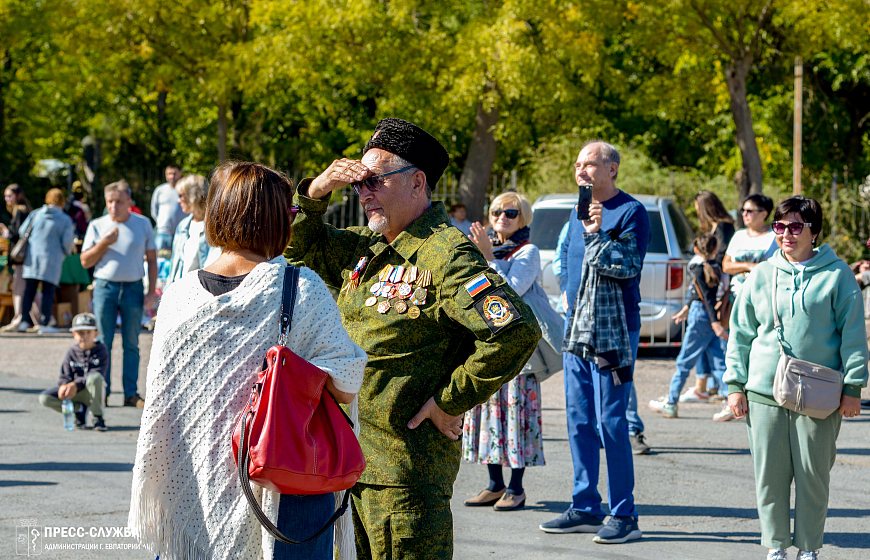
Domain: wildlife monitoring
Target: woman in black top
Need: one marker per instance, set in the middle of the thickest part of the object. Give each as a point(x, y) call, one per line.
point(704, 333)
point(19, 208)
point(712, 218)
point(715, 219)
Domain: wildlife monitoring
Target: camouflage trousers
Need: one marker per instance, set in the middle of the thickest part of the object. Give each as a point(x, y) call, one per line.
point(403, 522)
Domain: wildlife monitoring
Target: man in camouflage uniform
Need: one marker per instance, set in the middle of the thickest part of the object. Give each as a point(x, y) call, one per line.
point(442, 331)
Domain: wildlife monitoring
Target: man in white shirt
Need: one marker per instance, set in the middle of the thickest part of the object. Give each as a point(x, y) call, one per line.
point(165, 209)
point(117, 244)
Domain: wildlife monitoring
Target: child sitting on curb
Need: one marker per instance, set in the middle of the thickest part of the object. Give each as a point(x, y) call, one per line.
point(82, 374)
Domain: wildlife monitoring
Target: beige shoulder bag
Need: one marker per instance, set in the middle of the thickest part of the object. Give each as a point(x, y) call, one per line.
point(803, 386)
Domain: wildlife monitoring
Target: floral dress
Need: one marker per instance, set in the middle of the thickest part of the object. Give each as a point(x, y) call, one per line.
point(506, 429)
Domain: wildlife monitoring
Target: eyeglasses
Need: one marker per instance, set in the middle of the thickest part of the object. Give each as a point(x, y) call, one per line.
point(293, 210)
point(794, 228)
point(511, 214)
point(748, 211)
point(373, 184)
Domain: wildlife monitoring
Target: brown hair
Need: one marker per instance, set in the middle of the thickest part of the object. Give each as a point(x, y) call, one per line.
point(711, 211)
point(55, 197)
point(248, 209)
point(707, 244)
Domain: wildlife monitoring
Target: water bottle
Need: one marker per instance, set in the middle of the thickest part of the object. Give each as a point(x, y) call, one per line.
point(68, 416)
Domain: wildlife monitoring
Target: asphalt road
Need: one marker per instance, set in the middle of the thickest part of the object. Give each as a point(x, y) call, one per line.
point(695, 493)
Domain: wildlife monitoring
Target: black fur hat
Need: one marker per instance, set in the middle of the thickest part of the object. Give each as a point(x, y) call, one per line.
point(412, 143)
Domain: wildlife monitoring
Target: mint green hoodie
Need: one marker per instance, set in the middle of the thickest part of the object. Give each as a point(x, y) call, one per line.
point(822, 315)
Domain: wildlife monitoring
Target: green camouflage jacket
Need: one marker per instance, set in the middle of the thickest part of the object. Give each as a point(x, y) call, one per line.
point(463, 340)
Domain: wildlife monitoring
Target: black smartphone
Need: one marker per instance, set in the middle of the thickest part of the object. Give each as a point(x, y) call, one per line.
point(584, 201)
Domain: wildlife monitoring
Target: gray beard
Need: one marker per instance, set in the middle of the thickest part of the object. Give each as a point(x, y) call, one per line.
point(380, 225)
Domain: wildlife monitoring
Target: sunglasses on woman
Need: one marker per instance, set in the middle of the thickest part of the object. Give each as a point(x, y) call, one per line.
point(373, 184)
point(794, 228)
point(511, 214)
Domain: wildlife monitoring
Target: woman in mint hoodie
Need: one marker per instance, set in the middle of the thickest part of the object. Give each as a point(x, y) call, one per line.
point(822, 314)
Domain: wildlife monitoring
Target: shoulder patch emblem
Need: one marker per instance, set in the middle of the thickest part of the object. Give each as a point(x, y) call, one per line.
point(477, 285)
point(497, 310)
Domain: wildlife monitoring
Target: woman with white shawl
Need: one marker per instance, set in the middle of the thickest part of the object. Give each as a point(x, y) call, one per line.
point(212, 333)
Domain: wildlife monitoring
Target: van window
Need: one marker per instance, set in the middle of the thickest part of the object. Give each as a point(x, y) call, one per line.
point(546, 225)
point(685, 235)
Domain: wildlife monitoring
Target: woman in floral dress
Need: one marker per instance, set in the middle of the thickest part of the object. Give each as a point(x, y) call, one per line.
point(505, 431)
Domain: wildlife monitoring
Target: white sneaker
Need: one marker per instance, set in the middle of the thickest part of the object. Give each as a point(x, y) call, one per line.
point(778, 554)
point(725, 415)
point(694, 396)
point(47, 329)
point(11, 327)
point(808, 555)
point(663, 407)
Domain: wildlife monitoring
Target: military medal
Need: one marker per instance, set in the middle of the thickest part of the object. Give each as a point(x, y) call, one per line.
point(396, 275)
point(419, 296)
point(371, 301)
point(376, 287)
point(385, 272)
point(383, 307)
point(425, 279)
point(413, 312)
point(405, 290)
point(354, 276)
point(401, 306)
point(410, 275)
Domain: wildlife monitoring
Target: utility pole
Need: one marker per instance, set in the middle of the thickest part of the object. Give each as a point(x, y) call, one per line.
point(798, 122)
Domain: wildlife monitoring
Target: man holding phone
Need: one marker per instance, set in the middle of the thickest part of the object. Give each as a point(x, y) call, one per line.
point(596, 404)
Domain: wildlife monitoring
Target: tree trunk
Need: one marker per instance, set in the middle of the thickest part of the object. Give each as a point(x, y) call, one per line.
point(735, 75)
point(477, 172)
point(222, 132)
point(162, 134)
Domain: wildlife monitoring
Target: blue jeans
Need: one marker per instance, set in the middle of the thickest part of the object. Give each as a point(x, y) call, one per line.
point(163, 241)
point(699, 341)
point(299, 517)
point(128, 298)
point(594, 405)
point(703, 369)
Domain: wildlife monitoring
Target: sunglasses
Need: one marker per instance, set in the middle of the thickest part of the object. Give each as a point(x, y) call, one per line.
point(794, 228)
point(749, 211)
point(511, 214)
point(373, 184)
point(293, 210)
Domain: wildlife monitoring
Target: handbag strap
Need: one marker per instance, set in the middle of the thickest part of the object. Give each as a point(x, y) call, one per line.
point(777, 324)
point(243, 460)
point(288, 302)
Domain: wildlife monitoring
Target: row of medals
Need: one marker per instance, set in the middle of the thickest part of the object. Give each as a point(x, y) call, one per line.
point(405, 289)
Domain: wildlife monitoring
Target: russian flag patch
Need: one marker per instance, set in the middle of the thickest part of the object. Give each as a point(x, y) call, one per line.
point(477, 285)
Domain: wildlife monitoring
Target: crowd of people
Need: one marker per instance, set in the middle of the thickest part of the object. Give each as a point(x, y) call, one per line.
point(437, 342)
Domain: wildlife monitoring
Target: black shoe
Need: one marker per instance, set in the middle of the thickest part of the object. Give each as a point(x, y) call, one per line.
point(135, 400)
point(638, 444)
point(99, 424)
point(573, 521)
point(618, 530)
point(80, 417)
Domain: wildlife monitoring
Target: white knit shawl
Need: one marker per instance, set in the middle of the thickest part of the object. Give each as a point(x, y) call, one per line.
point(186, 502)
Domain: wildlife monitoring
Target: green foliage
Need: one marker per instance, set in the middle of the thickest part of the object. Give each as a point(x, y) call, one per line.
point(303, 82)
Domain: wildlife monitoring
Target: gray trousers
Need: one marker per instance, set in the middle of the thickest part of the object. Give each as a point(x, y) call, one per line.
point(92, 396)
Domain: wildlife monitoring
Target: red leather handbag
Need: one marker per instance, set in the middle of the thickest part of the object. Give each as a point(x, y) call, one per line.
point(292, 437)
